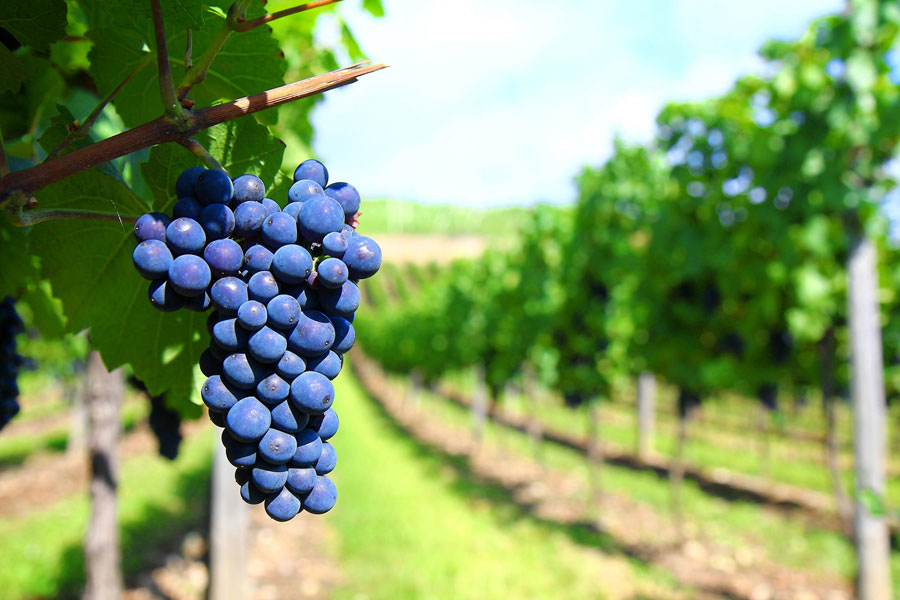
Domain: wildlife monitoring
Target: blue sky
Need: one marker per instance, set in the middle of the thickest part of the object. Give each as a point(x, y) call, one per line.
point(503, 102)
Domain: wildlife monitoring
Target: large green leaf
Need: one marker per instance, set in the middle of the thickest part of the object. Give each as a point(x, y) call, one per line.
point(37, 23)
point(89, 263)
point(248, 62)
point(18, 265)
point(12, 71)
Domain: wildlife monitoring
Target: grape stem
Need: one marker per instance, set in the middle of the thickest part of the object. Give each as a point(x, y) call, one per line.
point(188, 50)
point(85, 126)
point(197, 149)
point(166, 85)
point(243, 25)
point(163, 129)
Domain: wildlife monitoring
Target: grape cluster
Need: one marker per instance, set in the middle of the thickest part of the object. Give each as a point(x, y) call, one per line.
point(283, 285)
point(10, 326)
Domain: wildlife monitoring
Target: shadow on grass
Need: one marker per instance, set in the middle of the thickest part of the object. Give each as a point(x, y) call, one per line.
point(148, 539)
point(54, 441)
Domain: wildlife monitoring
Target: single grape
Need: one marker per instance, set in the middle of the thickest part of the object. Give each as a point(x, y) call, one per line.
point(249, 188)
point(198, 303)
point(322, 498)
point(304, 189)
point(248, 219)
point(340, 302)
point(318, 217)
point(313, 335)
point(184, 185)
point(279, 229)
point(189, 275)
point(363, 257)
point(326, 424)
point(152, 259)
point(262, 287)
point(312, 392)
point(334, 244)
point(283, 507)
point(328, 365)
point(163, 297)
point(240, 454)
point(273, 389)
point(331, 273)
point(344, 335)
point(300, 480)
point(228, 294)
point(309, 447)
point(217, 419)
point(267, 345)
point(213, 187)
point(290, 366)
point(293, 209)
point(217, 221)
point(277, 447)
point(271, 206)
point(248, 420)
point(292, 264)
point(346, 195)
point(230, 335)
point(151, 226)
point(217, 395)
point(185, 236)
point(257, 258)
point(312, 169)
point(241, 371)
point(269, 478)
point(327, 460)
point(251, 494)
point(283, 312)
point(224, 257)
point(187, 207)
point(252, 315)
point(287, 418)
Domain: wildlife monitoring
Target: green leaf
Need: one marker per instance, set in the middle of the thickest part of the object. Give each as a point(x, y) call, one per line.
point(373, 7)
point(353, 50)
point(19, 267)
point(89, 263)
point(46, 311)
point(37, 25)
point(12, 71)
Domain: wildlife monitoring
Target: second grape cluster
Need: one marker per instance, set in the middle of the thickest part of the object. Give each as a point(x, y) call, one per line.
point(283, 286)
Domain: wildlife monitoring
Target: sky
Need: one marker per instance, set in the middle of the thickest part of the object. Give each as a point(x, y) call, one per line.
point(503, 102)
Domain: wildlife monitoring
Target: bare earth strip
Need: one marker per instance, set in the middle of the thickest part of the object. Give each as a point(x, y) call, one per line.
point(424, 249)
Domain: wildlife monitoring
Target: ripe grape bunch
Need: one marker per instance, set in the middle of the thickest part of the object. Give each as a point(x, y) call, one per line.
point(283, 286)
point(10, 325)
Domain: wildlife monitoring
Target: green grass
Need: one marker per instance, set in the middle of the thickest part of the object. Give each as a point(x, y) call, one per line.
point(41, 552)
point(784, 540)
point(394, 216)
point(14, 449)
point(413, 524)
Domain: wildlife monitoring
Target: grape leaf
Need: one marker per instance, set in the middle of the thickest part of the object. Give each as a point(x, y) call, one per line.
point(38, 25)
point(374, 7)
point(89, 263)
point(18, 266)
point(12, 71)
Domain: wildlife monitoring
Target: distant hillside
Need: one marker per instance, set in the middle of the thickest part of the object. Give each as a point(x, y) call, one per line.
point(395, 216)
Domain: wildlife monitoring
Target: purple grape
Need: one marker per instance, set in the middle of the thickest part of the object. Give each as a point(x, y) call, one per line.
point(267, 345)
point(287, 418)
point(363, 257)
point(313, 335)
point(332, 273)
point(185, 236)
point(151, 226)
point(257, 258)
point(184, 185)
point(283, 507)
point(251, 494)
point(279, 229)
point(277, 447)
point(228, 294)
point(334, 244)
point(252, 315)
point(262, 287)
point(189, 275)
point(283, 312)
point(187, 207)
point(217, 221)
point(152, 259)
point(326, 424)
point(241, 371)
point(198, 303)
point(271, 206)
point(292, 209)
point(224, 257)
point(322, 498)
point(312, 393)
point(248, 420)
point(304, 189)
point(213, 187)
point(249, 188)
point(292, 264)
point(209, 366)
point(344, 335)
point(230, 336)
point(290, 366)
point(312, 169)
point(240, 454)
point(328, 365)
point(269, 478)
point(346, 195)
point(163, 297)
point(339, 302)
point(309, 448)
point(248, 219)
point(300, 480)
point(217, 395)
point(318, 217)
point(272, 390)
point(327, 460)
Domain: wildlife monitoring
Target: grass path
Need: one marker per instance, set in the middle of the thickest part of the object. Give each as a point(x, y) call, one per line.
point(410, 527)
